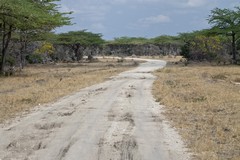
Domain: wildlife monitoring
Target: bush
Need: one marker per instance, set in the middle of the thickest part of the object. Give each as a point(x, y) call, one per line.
point(34, 58)
point(90, 58)
point(185, 50)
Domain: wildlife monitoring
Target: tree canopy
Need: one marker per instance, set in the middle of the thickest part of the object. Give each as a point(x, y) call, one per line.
point(27, 17)
point(227, 22)
point(129, 40)
point(164, 39)
point(82, 37)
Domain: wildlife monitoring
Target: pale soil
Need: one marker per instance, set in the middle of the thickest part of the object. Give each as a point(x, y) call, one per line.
point(118, 120)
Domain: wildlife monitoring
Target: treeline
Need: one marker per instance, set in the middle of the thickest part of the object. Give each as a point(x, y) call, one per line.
point(163, 39)
point(220, 43)
point(25, 21)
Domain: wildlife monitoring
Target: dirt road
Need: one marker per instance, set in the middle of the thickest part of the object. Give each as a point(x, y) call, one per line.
point(115, 120)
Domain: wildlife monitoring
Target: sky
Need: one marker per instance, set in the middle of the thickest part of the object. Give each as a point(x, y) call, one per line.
point(140, 18)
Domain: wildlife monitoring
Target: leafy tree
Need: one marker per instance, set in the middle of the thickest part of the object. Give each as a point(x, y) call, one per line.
point(82, 37)
point(79, 40)
point(27, 17)
point(226, 22)
point(200, 45)
point(46, 18)
point(187, 39)
point(185, 50)
point(10, 15)
point(205, 47)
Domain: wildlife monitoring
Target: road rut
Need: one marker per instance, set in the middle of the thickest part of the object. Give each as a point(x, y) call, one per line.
point(115, 120)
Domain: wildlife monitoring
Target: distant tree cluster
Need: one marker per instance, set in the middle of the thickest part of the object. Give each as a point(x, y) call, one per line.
point(218, 42)
point(200, 46)
point(164, 39)
point(78, 40)
point(25, 21)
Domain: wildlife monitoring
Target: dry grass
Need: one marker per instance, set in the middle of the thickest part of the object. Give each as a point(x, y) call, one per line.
point(168, 58)
point(40, 84)
point(203, 103)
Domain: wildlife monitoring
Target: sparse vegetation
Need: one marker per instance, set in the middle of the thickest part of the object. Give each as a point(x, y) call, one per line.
point(202, 103)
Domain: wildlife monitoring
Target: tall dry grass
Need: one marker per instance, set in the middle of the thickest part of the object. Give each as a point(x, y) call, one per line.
point(40, 84)
point(203, 103)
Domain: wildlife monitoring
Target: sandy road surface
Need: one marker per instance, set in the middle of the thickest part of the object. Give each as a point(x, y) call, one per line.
point(115, 120)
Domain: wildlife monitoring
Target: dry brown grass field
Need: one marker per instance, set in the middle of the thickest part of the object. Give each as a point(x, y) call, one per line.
point(39, 84)
point(203, 103)
point(168, 58)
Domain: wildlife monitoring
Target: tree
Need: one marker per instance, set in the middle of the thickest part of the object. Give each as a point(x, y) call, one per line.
point(8, 20)
point(202, 45)
point(227, 22)
point(25, 17)
point(79, 40)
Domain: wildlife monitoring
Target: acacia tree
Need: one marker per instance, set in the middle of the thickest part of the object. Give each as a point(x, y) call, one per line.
point(10, 14)
point(79, 40)
point(46, 18)
point(227, 22)
point(25, 17)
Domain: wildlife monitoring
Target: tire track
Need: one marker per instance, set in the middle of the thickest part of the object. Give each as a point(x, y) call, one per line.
point(116, 120)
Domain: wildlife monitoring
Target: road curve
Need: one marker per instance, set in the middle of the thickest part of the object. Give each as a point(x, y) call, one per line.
point(115, 120)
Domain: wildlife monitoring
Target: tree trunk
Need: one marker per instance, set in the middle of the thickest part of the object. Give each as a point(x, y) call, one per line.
point(5, 42)
point(234, 47)
point(23, 41)
point(78, 52)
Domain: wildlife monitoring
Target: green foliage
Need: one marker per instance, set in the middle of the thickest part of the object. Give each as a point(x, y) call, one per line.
point(130, 40)
point(185, 50)
point(9, 60)
point(165, 39)
point(27, 18)
point(79, 37)
point(201, 45)
point(204, 47)
point(227, 22)
point(32, 15)
point(34, 58)
point(46, 48)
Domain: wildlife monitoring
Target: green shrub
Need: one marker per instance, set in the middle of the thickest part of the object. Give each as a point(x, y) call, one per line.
point(185, 50)
point(34, 58)
point(10, 61)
